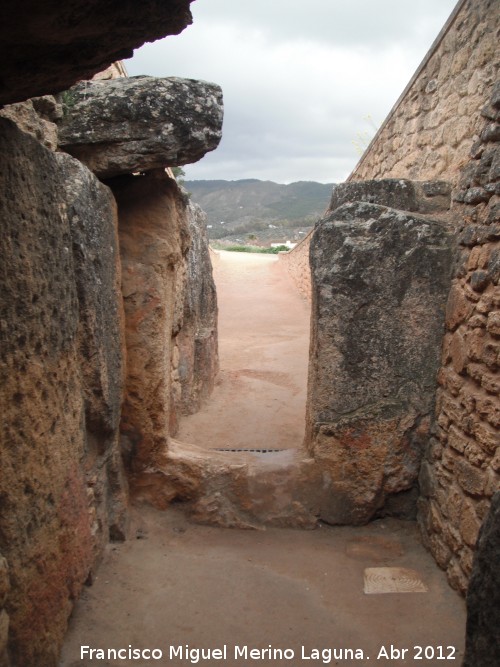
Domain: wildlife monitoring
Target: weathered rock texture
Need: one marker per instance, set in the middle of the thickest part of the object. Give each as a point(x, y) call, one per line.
point(379, 282)
point(482, 645)
point(154, 237)
point(422, 197)
point(432, 127)
point(297, 265)
point(282, 489)
point(62, 356)
point(64, 43)
point(426, 197)
point(91, 212)
point(36, 117)
point(4, 617)
point(115, 71)
point(62, 488)
point(140, 123)
point(63, 363)
point(462, 467)
point(195, 359)
point(445, 124)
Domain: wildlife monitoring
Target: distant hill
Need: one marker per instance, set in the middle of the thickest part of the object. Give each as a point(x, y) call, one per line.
point(251, 206)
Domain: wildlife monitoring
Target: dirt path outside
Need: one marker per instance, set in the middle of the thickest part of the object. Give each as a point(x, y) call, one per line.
point(260, 396)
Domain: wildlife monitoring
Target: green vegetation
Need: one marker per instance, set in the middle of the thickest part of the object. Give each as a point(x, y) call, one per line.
point(251, 248)
point(179, 174)
point(253, 212)
point(251, 206)
point(363, 139)
point(67, 99)
point(255, 226)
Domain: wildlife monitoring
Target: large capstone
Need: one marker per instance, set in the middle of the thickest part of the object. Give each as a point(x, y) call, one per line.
point(141, 123)
point(380, 279)
point(47, 45)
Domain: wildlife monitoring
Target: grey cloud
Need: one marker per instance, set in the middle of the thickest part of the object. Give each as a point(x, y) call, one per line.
point(300, 79)
point(353, 22)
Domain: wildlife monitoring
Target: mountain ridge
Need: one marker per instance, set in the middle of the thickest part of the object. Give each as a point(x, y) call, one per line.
point(252, 205)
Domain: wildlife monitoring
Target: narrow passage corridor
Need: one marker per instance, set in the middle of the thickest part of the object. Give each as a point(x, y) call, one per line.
point(334, 595)
point(260, 396)
point(174, 584)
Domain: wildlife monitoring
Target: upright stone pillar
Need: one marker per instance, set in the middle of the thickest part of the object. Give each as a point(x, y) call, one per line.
point(482, 640)
point(154, 237)
point(380, 279)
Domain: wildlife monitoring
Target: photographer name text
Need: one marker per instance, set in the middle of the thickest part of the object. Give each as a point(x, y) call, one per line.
point(325, 656)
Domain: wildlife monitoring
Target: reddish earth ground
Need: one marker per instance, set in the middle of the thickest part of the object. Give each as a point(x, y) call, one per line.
point(260, 396)
point(175, 584)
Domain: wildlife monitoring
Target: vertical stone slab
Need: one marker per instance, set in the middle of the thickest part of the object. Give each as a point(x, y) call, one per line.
point(93, 220)
point(380, 279)
point(482, 639)
point(4, 617)
point(195, 359)
point(54, 482)
point(154, 237)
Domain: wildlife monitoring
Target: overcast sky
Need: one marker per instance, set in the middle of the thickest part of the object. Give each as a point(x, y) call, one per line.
point(304, 82)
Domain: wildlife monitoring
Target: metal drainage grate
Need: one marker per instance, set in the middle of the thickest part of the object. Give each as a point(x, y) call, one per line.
point(253, 451)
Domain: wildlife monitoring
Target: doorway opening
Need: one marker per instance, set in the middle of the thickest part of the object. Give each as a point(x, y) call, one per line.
point(259, 399)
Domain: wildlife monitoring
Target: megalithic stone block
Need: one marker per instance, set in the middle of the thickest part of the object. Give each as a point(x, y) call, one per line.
point(380, 279)
point(46, 47)
point(482, 641)
point(140, 123)
point(426, 197)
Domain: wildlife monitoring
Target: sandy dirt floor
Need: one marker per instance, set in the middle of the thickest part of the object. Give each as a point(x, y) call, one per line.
point(174, 584)
point(260, 396)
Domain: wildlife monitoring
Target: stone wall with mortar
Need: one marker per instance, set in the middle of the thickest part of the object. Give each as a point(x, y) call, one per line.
point(462, 470)
point(296, 262)
point(445, 125)
point(116, 70)
point(431, 129)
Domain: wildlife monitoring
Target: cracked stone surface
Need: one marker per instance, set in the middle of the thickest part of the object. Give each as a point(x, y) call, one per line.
point(380, 279)
point(140, 123)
